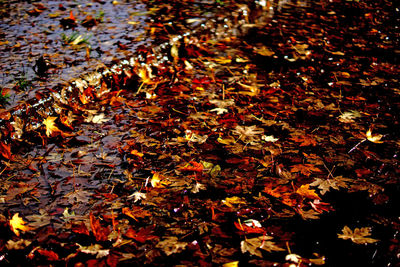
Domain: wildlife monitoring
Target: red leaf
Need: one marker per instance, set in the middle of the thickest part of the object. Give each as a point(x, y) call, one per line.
point(248, 229)
point(99, 232)
point(142, 235)
point(5, 150)
point(192, 166)
point(51, 255)
point(80, 229)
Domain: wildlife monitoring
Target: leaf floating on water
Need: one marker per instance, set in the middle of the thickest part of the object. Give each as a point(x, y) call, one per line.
point(358, 236)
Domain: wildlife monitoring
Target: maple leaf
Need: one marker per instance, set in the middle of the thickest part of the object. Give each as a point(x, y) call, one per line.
point(230, 201)
point(5, 150)
point(142, 235)
point(17, 245)
point(304, 140)
point(136, 212)
point(171, 245)
point(50, 126)
point(358, 236)
point(305, 191)
point(100, 233)
point(324, 185)
point(137, 196)
point(305, 169)
point(17, 224)
point(248, 133)
point(269, 138)
point(95, 249)
point(253, 245)
point(250, 226)
point(158, 180)
point(50, 255)
point(349, 116)
point(374, 139)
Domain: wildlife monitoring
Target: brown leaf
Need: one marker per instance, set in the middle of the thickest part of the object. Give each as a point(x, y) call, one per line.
point(358, 236)
point(253, 245)
point(171, 245)
point(305, 169)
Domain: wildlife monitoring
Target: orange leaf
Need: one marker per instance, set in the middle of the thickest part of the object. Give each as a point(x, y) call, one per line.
point(248, 229)
point(305, 169)
point(71, 15)
point(142, 235)
point(100, 233)
point(304, 140)
point(17, 223)
point(306, 192)
point(80, 229)
point(136, 212)
point(5, 150)
point(193, 166)
point(51, 255)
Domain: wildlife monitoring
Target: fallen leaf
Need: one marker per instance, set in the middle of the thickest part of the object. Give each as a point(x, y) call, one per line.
point(17, 224)
point(358, 236)
point(305, 191)
point(305, 169)
point(374, 139)
point(253, 245)
point(171, 245)
point(100, 233)
point(50, 126)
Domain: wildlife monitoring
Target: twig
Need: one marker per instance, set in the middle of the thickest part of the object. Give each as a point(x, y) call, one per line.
point(354, 147)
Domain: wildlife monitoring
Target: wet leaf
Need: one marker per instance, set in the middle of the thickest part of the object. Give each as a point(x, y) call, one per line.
point(305, 169)
point(358, 236)
point(51, 127)
point(171, 245)
point(374, 139)
point(253, 245)
point(18, 224)
point(306, 192)
point(100, 233)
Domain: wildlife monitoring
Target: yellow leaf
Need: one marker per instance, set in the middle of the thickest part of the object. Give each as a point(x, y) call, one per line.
point(50, 126)
point(17, 223)
point(374, 139)
point(306, 192)
point(155, 180)
point(137, 153)
point(230, 201)
point(223, 60)
point(231, 264)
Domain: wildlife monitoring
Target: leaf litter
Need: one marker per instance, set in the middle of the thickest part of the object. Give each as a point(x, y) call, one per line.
point(160, 157)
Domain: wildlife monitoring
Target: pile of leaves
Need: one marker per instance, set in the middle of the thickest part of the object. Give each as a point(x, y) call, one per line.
point(275, 146)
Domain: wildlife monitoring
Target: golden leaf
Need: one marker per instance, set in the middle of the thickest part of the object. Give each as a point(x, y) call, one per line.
point(17, 223)
point(306, 192)
point(358, 236)
point(50, 126)
point(374, 139)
